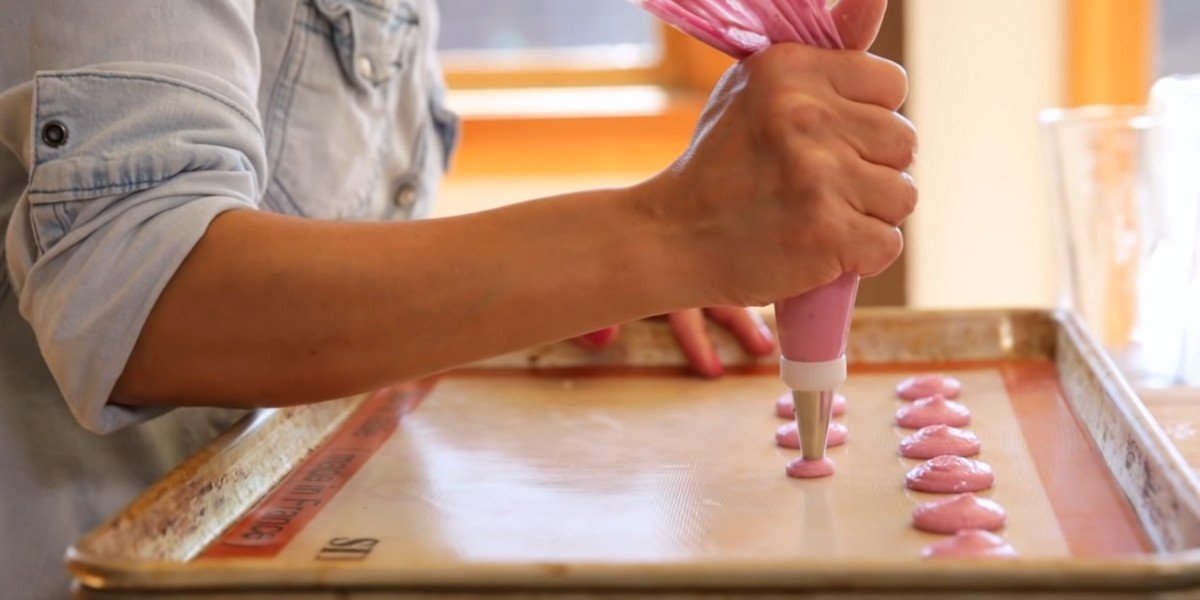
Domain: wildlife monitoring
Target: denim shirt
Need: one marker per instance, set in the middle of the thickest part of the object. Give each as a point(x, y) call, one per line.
point(126, 126)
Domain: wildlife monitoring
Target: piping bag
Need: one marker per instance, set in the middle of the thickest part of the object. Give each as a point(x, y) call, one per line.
point(813, 326)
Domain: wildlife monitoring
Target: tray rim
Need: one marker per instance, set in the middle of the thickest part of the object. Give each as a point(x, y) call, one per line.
point(1154, 440)
point(97, 569)
point(1147, 573)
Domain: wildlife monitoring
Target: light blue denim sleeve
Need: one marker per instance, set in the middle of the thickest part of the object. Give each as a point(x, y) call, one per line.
point(138, 125)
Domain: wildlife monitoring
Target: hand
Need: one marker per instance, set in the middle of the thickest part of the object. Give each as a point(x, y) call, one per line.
point(795, 174)
point(688, 327)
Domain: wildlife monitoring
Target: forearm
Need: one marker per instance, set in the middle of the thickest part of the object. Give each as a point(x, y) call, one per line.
point(271, 310)
point(774, 197)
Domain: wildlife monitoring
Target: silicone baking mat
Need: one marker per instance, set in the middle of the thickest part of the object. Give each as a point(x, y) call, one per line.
point(645, 466)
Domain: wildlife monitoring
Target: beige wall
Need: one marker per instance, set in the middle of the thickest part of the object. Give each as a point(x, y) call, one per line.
point(981, 71)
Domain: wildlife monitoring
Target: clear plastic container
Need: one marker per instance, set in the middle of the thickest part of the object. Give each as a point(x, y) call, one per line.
point(1127, 200)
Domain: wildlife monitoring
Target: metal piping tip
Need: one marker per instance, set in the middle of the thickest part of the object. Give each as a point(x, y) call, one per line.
point(813, 410)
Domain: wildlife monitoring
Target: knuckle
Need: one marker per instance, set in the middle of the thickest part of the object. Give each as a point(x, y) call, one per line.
point(911, 195)
point(802, 114)
point(906, 142)
point(887, 249)
point(804, 119)
point(882, 249)
point(893, 140)
point(888, 80)
point(893, 247)
point(895, 79)
point(787, 104)
point(901, 200)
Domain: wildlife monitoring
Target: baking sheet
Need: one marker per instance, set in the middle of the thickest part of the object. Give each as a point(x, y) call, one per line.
point(664, 523)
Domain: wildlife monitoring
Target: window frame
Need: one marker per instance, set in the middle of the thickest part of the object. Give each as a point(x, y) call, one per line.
point(1110, 51)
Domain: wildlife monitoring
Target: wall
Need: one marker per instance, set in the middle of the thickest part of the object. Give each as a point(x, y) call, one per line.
point(981, 71)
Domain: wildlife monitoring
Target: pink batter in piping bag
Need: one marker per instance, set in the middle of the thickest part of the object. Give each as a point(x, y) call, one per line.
point(813, 326)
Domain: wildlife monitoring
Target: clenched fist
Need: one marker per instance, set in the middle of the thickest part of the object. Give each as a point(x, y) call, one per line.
point(796, 173)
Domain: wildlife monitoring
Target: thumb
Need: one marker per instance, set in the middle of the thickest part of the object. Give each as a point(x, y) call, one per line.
point(858, 21)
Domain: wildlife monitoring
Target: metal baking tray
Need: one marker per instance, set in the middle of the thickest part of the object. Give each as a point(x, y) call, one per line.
point(505, 537)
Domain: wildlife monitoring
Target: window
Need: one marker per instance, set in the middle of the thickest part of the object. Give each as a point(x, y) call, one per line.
point(1178, 45)
point(558, 43)
point(1120, 47)
point(511, 33)
point(523, 43)
point(571, 85)
point(1109, 51)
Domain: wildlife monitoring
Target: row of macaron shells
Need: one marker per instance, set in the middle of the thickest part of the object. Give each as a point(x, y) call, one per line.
point(931, 409)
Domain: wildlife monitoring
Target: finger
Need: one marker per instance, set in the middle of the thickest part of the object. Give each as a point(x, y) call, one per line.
point(881, 136)
point(746, 325)
point(873, 245)
point(866, 78)
point(881, 192)
point(599, 339)
point(858, 21)
point(688, 328)
point(857, 76)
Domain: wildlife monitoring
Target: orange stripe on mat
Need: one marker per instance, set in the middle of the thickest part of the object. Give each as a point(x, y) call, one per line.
point(1094, 515)
point(287, 509)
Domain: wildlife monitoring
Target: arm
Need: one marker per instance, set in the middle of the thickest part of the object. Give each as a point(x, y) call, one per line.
point(791, 181)
point(270, 309)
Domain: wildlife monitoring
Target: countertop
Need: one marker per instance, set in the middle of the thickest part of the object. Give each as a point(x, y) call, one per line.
point(1178, 411)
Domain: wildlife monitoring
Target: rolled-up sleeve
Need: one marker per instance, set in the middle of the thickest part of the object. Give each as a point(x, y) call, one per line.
point(130, 157)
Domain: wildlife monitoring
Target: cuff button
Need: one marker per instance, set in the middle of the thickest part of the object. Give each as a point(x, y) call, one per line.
point(54, 134)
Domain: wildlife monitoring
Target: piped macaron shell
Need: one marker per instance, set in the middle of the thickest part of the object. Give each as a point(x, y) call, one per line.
point(935, 410)
point(949, 474)
point(936, 440)
point(970, 543)
point(803, 468)
point(924, 386)
point(959, 512)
